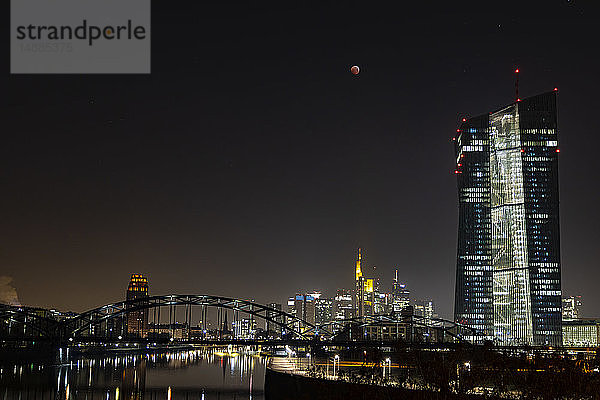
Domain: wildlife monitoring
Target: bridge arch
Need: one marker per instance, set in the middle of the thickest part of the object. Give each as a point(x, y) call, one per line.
point(457, 331)
point(83, 324)
point(27, 320)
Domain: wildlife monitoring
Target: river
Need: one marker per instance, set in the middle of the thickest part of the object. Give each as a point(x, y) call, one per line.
point(202, 373)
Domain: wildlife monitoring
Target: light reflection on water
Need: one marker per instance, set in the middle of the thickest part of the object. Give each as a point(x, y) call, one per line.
point(197, 374)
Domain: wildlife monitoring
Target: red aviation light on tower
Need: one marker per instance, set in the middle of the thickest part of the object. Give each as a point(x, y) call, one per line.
point(517, 84)
point(556, 89)
point(464, 120)
point(558, 150)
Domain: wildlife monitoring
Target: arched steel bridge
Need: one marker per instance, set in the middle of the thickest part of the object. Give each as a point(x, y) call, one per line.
point(84, 323)
point(416, 324)
point(110, 321)
point(99, 321)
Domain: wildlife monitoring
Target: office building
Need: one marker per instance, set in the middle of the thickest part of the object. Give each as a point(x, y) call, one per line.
point(244, 328)
point(302, 306)
point(508, 258)
point(137, 295)
point(323, 310)
point(342, 305)
point(426, 310)
point(571, 308)
point(400, 295)
point(581, 333)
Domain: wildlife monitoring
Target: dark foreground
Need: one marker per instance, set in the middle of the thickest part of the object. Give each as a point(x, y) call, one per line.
point(282, 386)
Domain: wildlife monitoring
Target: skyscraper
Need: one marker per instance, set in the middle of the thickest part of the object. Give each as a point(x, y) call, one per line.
point(364, 289)
point(302, 306)
point(359, 297)
point(425, 309)
point(400, 295)
point(137, 320)
point(508, 260)
point(342, 305)
point(323, 308)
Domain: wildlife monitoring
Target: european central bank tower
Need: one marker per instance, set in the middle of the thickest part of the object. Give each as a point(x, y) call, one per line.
point(508, 282)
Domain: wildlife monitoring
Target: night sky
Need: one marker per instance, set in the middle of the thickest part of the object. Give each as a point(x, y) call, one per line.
point(252, 163)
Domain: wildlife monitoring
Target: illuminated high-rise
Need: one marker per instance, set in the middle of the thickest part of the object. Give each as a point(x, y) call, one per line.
point(342, 305)
point(400, 295)
point(359, 296)
point(323, 308)
point(364, 290)
point(137, 319)
point(508, 261)
point(302, 306)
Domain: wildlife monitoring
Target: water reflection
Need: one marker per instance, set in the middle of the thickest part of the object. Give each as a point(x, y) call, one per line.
point(188, 374)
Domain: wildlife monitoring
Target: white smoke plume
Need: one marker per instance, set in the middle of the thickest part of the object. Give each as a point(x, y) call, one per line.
point(8, 293)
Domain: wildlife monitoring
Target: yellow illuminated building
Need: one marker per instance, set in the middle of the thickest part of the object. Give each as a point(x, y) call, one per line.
point(137, 321)
point(369, 285)
point(358, 270)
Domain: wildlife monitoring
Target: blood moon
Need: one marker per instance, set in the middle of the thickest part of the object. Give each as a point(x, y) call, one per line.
point(355, 70)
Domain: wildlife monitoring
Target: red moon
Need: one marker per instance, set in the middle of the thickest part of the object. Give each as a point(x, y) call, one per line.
point(355, 70)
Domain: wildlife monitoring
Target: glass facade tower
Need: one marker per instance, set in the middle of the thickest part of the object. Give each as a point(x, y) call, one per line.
point(508, 263)
point(473, 298)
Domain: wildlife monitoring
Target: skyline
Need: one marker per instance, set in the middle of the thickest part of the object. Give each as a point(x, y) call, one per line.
point(241, 167)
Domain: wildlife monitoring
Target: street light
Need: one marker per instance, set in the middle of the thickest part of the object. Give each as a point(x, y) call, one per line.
point(389, 365)
point(336, 358)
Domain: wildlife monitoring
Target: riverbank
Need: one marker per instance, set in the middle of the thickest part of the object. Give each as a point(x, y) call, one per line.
point(286, 386)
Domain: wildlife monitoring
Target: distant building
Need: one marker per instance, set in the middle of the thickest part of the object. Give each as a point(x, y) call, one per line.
point(400, 295)
point(382, 303)
point(323, 310)
point(364, 289)
point(310, 311)
point(137, 320)
point(425, 309)
point(342, 305)
point(581, 332)
point(175, 331)
point(359, 287)
point(244, 328)
point(302, 306)
point(571, 308)
point(369, 296)
point(197, 332)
